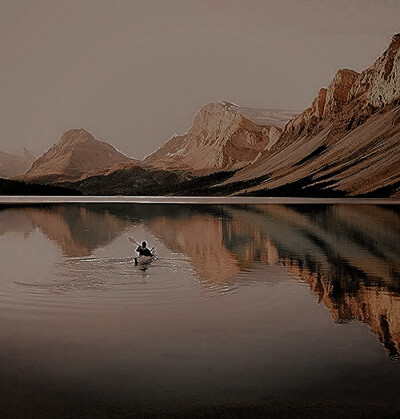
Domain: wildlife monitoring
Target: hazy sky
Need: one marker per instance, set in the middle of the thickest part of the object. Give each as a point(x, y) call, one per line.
point(135, 72)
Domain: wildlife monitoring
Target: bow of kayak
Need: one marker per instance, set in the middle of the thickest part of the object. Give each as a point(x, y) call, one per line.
point(143, 260)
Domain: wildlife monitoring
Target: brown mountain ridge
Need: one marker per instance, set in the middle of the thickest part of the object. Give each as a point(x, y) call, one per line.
point(345, 144)
point(12, 164)
point(223, 137)
point(347, 140)
point(77, 154)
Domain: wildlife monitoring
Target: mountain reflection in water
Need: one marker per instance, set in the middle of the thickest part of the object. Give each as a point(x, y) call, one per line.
point(349, 255)
point(77, 230)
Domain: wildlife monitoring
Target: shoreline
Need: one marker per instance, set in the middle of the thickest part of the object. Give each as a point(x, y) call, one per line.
point(28, 199)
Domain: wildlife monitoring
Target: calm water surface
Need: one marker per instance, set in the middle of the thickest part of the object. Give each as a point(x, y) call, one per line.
point(289, 310)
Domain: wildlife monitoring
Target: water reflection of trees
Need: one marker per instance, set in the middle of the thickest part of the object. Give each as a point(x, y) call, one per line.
point(349, 255)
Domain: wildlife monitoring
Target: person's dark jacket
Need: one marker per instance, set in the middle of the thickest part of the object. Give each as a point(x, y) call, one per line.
point(144, 251)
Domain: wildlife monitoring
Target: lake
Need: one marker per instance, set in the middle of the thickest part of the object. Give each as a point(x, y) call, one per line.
point(250, 310)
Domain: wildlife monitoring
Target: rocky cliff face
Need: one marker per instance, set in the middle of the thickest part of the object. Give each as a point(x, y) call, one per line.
point(78, 153)
point(337, 94)
point(377, 86)
point(381, 81)
point(347, 140)
point(221, 138)
point(13, 165)
point(328, 102)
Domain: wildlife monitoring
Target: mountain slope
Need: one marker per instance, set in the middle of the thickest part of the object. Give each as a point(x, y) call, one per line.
point(221, 138)
point(347, 140)
point(345, 144)
point(13, 165)
point(78, 153)
point(127, 179)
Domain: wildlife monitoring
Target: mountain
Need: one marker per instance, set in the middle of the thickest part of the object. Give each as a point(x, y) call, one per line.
point(345, 143)
point(223, 137)
point(13, 165)
point(77, 154)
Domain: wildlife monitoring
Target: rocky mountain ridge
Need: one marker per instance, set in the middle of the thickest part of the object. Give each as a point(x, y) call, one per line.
point(222, 137)
point(345, 144)
point(13, 164)
point(77, 154)
point(346, 141)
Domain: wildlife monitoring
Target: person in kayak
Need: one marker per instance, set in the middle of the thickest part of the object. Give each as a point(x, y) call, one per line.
point(143, 250)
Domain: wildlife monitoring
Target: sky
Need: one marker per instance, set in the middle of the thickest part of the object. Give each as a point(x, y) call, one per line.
point(135, 72)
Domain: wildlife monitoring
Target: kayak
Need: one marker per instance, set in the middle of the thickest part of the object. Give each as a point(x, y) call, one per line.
point(143, 260)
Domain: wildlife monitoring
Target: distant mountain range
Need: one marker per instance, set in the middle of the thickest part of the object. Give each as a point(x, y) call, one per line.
point(13, 164)
point(345, 144)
